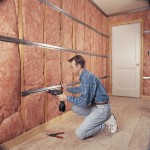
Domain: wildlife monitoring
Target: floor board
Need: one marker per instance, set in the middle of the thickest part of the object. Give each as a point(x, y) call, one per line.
point(133, 117)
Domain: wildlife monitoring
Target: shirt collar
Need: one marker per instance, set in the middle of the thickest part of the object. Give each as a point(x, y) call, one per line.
point(82, 74)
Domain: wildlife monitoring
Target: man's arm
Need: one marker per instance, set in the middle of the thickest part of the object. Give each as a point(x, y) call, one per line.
point(74, 90)
point(86, 96)
point(82, 100)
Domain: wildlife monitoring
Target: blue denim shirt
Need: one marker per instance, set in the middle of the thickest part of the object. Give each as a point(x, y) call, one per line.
point(90, 89)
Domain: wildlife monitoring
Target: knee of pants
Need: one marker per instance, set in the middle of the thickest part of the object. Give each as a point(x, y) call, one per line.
point(80, 134)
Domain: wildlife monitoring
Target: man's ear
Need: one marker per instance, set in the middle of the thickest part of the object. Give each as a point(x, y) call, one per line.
point(79, 66)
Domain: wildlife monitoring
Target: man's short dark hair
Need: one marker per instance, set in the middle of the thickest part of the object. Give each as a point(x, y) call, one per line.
point(79, 60)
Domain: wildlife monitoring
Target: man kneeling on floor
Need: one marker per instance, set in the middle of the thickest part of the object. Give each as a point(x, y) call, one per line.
point(92, 103)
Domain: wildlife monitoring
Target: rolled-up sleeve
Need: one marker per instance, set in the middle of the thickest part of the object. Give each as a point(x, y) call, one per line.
point(74, 90)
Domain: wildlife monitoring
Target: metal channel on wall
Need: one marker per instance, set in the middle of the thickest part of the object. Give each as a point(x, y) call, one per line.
point(42, 45)
point(146, 31)
point(72, 17)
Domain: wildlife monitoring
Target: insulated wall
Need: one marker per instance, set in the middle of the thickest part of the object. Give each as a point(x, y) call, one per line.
point(25, 67)
point(145, 17)
point(11, 124)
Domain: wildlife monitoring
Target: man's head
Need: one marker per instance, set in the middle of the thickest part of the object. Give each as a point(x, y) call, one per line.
point(77, 64)
point(79, 60)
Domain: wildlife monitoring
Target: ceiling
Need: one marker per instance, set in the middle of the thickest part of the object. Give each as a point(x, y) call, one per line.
point(110, 7)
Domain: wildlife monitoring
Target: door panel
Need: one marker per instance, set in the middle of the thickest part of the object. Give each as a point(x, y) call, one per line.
point(126, 48)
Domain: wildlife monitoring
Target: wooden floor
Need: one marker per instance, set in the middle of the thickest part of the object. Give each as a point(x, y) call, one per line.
point(133, 117)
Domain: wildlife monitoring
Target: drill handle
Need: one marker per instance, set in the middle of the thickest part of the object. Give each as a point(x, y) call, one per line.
point(55, 92)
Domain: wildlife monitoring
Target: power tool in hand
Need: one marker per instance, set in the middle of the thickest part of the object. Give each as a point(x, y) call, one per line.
point(55, 92)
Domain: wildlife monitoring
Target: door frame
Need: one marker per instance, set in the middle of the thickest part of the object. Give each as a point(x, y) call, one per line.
point(141, 58)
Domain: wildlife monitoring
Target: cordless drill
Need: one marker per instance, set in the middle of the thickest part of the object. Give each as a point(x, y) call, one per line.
point(55, 92)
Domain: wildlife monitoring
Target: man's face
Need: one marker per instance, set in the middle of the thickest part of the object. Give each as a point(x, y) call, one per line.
point(75, 68)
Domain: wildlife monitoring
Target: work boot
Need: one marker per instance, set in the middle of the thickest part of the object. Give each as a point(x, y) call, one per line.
point(111, 124)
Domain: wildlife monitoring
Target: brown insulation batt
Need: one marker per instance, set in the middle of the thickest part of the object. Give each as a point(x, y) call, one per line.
point(79, 28)
point(67, 41)
point(95, 43)
point(146, 63)
point(99, 27)
point(87, 34)
point(52, 58)
point(11, 123)
point(33, 63)
point(106, 61)
point(82, 33)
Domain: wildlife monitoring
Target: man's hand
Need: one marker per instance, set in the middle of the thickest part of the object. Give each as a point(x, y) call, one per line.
point(64, 85)
point(62, 97)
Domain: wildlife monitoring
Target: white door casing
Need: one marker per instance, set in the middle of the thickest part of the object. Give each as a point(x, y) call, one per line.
point(126, 56)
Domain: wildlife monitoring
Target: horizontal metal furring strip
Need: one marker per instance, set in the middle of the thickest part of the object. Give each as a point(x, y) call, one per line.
point(42, 45)
point(72, 17)
point(146, 78)
point(46, 89)
point(147, 31)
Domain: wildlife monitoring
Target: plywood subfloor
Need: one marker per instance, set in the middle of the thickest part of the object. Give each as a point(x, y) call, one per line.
point(133, 116)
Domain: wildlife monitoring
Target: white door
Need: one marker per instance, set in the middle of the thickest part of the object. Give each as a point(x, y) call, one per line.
point(126, 49)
